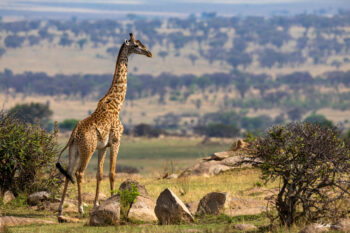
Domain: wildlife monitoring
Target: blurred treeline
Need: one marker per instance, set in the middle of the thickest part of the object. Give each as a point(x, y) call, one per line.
point(295, 90)
point(266, 41)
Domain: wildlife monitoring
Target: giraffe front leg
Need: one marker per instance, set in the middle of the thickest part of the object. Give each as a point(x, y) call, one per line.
point(99, 175)
point(113, 159)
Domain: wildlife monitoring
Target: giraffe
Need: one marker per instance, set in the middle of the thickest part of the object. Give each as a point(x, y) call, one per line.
point(102, 129)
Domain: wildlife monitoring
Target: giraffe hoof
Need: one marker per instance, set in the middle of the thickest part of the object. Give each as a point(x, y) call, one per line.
point(81, 209)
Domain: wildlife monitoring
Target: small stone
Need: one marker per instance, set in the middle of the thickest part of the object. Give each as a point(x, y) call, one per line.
point(171, 210)
point(38, 197)
point(245, 227)
point(8, 196)
point(64, 219)
point(172, 176)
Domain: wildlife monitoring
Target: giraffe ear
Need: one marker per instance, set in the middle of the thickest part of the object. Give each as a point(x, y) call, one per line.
point(126, 42)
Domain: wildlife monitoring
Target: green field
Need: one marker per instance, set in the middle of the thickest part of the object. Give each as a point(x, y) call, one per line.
point(152, 155)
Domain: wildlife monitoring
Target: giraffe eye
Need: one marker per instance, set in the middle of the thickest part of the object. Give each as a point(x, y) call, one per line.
point(136, 46)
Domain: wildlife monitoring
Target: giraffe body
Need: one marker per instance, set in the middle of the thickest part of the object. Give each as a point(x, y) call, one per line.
point(102, 129)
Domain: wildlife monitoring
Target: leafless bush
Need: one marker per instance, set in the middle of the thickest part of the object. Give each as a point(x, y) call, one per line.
point(312, 164)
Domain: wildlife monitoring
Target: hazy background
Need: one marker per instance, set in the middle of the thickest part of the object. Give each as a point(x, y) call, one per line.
point(243, 64)
point(94, 9)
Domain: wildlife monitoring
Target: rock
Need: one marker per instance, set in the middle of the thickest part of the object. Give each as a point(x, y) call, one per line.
point(314, 228)
point(218, 156)
point(192, 207)
point(90, 197)
point(209, 166)
point(171, 210)
point(16, 221)
point(235, 161)
point(342, 225)
point(214, 203)
point(200, 169)
point(172, 176)
point(140, 188)
point(65, 219)
point(38, 197)
point(143, 210)
point(107, 213)
point(217, 169)
point(245, 227)
point(8, 196)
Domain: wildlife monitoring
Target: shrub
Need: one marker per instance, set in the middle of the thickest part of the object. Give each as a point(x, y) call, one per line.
point(33, 113)
point(313, 166)
point(145, 130)
point(319, 119)
point(27, 157)
point(127, 197)
point(68, 124)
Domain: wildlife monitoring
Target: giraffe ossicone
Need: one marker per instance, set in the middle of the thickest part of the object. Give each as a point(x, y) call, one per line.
point(102, 129)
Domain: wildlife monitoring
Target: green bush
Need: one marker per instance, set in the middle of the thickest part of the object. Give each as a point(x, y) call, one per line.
point(33, 113)
point(68, 124)
point(127, 197)
point(319, 119)
point(27, 157)
point(312, 164)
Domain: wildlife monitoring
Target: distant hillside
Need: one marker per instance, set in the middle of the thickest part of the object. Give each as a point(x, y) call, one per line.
point(194, 45)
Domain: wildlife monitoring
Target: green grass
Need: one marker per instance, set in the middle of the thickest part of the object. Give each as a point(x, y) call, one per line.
point(151, 155)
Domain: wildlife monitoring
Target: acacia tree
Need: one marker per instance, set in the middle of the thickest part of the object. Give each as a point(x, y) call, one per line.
point(312, 163)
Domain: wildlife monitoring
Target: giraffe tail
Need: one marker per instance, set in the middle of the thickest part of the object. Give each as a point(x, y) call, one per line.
point(64, 172)
point(59, 166)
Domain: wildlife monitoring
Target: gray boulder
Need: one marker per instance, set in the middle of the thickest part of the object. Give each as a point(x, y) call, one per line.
point(38, 197)
point(143, 210)
point(128, 185)
point(107, 213)
point(214, 203)
point(171, 210)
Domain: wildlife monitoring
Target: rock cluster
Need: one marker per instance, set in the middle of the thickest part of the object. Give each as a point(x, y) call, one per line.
point(142, 209)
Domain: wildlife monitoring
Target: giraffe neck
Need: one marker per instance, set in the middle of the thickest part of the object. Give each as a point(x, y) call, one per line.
point(113, 100)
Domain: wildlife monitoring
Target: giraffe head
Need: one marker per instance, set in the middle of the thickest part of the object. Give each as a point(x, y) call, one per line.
point(135, 46)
